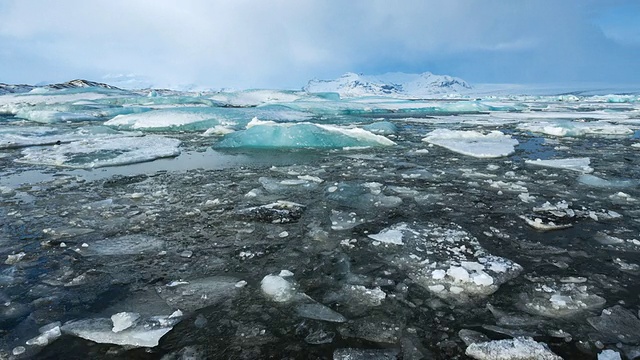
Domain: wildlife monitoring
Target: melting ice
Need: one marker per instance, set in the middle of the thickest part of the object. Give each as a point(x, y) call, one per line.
point(362, 222)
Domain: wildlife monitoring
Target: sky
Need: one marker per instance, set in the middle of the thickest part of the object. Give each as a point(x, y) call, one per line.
point(244, 44)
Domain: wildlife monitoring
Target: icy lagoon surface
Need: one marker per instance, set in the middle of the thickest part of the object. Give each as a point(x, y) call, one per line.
point(289, 225)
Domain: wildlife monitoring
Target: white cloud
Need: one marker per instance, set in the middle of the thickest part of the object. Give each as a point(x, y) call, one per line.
point(246, 43)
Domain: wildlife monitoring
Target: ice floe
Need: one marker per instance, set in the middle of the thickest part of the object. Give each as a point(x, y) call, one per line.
point(576, 128)
point(95, 153)
point(473, 143)
point(448, 262)
point(146, 333)
point(524, 348)
point(573, 164)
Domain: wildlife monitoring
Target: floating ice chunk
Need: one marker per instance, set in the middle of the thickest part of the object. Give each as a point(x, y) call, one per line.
point(164, 119)
point(382, 128)
point(448, 262)
point(574, 164)
point(373, 328)
point(554, 300)
point(609, 355)
point(342, 220)
point(124, 245)
point(319, 312)
point(199, 293)
point(145, 334)
point(48, 334)
point(522, 348)
point(389, 236)
point(472, 337)
point(123, 320)
point(617, 324)
point(278, 212)
point(539, 224)
point(594, 181)
point(277, 288)
point(576, 128)
point(267, 134)
point(99, 152)
point(473, 143)
point(14, 258)
point(365, 354)
point(361, 196)
point(357, 297)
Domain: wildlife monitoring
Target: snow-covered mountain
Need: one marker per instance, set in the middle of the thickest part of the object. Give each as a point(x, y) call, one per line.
point(73, 84)
point(394, 84)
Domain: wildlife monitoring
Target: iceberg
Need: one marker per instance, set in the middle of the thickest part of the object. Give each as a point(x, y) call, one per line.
point(268, 134)
point(473, 143)
point(97, 152)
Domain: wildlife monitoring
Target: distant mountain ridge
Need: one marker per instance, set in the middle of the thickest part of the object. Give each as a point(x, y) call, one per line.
point(394, 84)
point(73, 84)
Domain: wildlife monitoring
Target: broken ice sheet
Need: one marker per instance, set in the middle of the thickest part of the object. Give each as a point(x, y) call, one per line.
point(522, 348)
point(448, 262)
point(198, 293)
point(147, 333)
point(552, 299)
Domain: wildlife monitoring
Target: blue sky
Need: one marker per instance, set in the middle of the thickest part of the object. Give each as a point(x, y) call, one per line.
point(284, 43)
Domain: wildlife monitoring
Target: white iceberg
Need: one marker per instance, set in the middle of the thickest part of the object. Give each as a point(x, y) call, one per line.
point(473, 143)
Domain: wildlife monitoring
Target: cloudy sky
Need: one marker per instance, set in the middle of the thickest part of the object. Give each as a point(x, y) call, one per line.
point(284, 43)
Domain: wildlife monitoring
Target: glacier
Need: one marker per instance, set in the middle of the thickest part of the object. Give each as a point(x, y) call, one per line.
point(390, 216)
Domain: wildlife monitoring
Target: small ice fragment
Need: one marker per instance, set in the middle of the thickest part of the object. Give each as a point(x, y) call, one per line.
point(438, 274)
point(283, 234)
point(482, 279)
point(241, 284)
point(277, 288)
point(137, 195)
point(186, 254)
point(14, 258)
point(123, 320)
point(458, 273)
point(285, 273)
point(18, 350)
point(609, 355)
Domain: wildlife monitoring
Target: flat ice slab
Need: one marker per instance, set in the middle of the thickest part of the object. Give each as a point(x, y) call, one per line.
point(473, 143)
point(95, 153)
point(573, 164)
point(521, 348)
point(448, 262)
